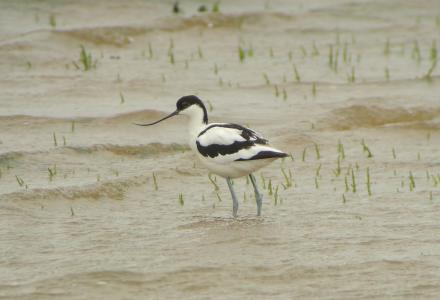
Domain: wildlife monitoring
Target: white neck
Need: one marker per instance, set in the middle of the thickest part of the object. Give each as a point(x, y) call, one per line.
point(195, 114)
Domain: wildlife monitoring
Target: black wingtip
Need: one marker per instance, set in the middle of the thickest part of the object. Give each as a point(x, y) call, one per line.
point(266, 154)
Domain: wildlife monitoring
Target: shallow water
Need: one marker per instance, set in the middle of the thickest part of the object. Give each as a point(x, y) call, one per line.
point(81, 216)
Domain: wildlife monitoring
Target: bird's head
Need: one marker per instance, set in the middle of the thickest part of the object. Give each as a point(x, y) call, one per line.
point(191, 106)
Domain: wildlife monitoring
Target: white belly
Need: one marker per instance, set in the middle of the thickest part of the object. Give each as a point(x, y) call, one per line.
point(236, 168)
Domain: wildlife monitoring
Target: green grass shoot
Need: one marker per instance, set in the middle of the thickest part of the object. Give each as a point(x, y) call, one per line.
point(269, 187)
point(181, 200)
point(386, 50)
point(314, 89)
point(276, 91)
point(216, 7)
point(297, 76)
point(368, 182)
point(214, 183)
point(53, 20)
point(366, 149)
point(341, 150)
point(121, 96)
point(55, 143)
point(241, 54)
point(412, 183)
point(150, 51)
point(156, 186)
point(304, 153)
point(318, 153)
point(85, 58)
point(266, 79)
point(353, 182)
point(20, 180)
point(337, 171)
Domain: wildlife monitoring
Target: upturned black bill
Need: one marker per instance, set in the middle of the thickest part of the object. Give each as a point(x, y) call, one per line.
point(169, 116)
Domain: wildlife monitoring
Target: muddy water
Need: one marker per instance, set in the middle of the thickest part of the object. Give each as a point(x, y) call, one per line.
point(82, 216)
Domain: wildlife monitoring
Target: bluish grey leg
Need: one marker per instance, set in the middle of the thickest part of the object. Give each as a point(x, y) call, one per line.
point(234, 198)
point(258, 196)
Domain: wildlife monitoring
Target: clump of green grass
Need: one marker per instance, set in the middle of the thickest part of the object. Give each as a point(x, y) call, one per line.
point(181, 200)
point(72, 212)
point(85, 60)
point(216, 7)
point(176, 7)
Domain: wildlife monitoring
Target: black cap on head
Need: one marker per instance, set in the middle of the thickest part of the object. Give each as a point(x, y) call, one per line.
point(187, 101)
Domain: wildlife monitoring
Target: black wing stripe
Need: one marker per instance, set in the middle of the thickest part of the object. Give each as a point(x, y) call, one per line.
point(246, 133)
point(215, 149)
point(263, 155)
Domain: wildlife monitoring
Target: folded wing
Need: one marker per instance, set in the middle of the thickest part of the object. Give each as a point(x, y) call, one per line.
point(223, 143)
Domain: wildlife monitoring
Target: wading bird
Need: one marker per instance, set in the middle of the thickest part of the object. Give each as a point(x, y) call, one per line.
point(226, 149)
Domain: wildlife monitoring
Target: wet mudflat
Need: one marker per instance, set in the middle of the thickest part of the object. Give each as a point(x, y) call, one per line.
point(89, 203)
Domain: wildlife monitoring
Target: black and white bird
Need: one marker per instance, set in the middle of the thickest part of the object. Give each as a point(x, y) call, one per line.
point(226, 149)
